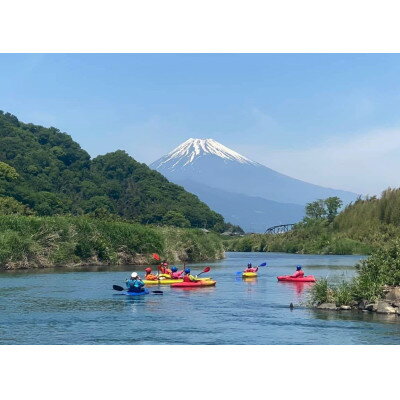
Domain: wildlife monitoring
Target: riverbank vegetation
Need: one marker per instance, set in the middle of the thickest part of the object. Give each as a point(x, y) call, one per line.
point(374, 275)
point(37, 242)
point(362, 227)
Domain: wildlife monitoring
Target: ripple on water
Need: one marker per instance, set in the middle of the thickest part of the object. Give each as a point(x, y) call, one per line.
point(76, 307)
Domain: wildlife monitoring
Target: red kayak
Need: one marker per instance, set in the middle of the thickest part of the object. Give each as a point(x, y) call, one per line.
point(288, 278)
point(194, 284)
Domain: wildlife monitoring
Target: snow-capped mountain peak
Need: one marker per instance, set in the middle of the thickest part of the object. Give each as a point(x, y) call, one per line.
point(190, 150)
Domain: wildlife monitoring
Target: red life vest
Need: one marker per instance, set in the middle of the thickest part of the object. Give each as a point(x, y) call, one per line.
point(298, 274)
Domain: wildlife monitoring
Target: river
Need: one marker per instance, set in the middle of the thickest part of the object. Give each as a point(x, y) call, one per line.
point(79, 307)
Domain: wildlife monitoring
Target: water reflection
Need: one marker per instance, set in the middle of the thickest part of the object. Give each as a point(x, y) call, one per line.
point(297, 287)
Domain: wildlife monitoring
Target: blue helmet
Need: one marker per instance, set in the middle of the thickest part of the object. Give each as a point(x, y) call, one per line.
point(174, 269)
point(298, 267)
point(187, 270)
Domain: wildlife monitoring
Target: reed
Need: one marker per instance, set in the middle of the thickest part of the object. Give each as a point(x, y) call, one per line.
point(37, 242)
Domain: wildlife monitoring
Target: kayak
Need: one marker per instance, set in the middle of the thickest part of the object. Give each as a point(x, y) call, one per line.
point(162, 281)
point(168, 281)
point(126, 293)
point(165, 276)
point(249, 275)
point(288, 278)
point(197, 284)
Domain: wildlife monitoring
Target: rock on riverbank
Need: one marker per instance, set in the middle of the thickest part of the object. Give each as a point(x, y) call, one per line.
point(389, 304)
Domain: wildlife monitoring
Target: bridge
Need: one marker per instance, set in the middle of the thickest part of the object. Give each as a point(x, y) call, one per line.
point(273, 230)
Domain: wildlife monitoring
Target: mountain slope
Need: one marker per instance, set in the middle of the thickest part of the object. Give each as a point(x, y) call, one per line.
point(253, 214)
point(210, 163)
point(244, 191)
point(58, 177)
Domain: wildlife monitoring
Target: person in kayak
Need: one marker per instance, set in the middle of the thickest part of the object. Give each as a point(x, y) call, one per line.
point(135, 284)
point(164, 268)
point(250, 268)
point(149, 276)
point(299, 273)
point(176, 274)
point(187, 277)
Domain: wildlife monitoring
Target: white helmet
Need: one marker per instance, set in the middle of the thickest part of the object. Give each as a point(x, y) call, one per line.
point(134, 275)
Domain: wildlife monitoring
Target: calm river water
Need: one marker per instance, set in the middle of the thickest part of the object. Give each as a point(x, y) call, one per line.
point(80, 307)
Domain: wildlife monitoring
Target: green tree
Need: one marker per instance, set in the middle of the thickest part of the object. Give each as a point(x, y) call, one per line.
point(316, 209)
point(9, 206)
point(332, 205)
point(7, 172)
point(176, 219)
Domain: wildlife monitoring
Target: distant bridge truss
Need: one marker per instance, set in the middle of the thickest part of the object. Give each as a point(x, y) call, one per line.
point(274, 230)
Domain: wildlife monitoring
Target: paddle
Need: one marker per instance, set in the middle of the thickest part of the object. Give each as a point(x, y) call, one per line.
point(157, 257)
point(206, 269)
point(121, 289)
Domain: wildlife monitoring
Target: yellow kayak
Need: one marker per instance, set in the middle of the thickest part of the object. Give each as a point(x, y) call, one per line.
point(162, 281)
point(249, 275)
point(168, 281)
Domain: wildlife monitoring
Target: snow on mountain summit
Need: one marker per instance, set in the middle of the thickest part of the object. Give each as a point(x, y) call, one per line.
point(190, 150)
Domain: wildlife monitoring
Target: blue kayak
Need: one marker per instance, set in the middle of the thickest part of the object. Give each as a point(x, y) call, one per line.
point(135, 293)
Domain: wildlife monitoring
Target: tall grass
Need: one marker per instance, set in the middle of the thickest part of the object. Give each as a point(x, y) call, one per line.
point(380, 270)
point(29, 242)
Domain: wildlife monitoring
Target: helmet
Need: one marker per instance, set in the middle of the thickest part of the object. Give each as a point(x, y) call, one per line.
point(134, 275)
point(148, 269)
point(174, 269)
point(298, 267)
point(187, 270)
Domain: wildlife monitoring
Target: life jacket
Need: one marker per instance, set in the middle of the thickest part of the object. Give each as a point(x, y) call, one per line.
point(298, 274)
point(164, 269)
point(251, 270)
point(135, 285)
point(151, 277)
point(189, 278)
point(177, 275)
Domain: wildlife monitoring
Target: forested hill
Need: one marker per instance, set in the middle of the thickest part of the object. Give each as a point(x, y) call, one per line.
point(56, 177)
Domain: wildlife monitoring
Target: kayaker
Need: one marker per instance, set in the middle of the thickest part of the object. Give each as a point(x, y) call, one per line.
point(164, 268)
point(176, 274)
point(299, 272)
point(250, 268)
point(135, 284)
point(149, 276)
point(187, 277)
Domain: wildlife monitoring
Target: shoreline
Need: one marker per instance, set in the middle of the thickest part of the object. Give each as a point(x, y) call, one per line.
point(46, 242)
point(140, 261)
point(388, 304)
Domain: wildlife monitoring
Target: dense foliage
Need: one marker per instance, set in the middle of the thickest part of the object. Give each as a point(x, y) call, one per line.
point(378, 271)
point(37, 242)
point(363, 226)
point(46, 171)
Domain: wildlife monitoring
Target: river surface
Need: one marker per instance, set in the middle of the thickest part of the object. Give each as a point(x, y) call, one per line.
point(79, 307)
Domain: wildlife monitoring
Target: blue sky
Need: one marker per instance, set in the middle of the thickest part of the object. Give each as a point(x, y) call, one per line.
point(330, 119)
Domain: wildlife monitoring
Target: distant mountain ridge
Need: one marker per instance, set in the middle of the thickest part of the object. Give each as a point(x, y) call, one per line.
point(209, 163)
point(253, 214)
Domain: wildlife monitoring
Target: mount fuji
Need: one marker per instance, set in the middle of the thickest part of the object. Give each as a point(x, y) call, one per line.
point(243, 191)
